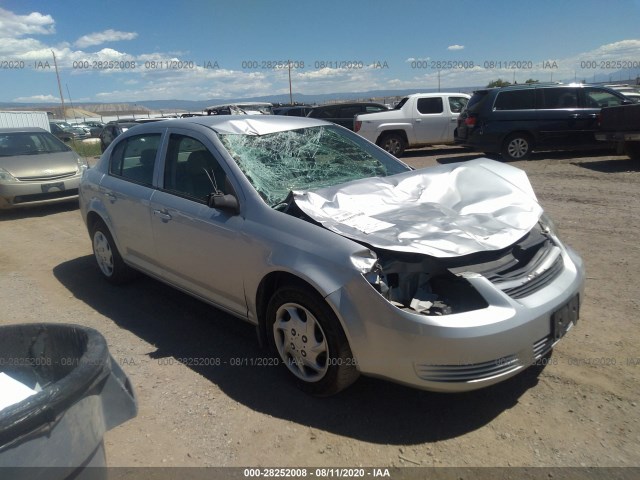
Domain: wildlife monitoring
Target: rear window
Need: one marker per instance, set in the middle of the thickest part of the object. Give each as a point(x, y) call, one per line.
point(476, 100)
point(430, 105)
point(515, 100)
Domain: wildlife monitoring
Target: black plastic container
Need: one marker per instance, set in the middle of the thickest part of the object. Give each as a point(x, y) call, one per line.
point(58, 432)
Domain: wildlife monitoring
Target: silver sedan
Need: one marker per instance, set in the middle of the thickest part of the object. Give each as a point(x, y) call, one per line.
point(36, 168)
point(347, 260)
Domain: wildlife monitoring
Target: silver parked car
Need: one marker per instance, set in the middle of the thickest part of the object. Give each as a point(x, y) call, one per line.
point(347, 260)
point(36, 168)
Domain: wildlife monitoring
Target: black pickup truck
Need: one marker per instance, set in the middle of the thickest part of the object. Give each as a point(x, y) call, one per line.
point(621, 125)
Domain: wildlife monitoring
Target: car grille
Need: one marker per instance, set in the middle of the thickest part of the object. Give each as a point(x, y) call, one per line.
point(539, 272)
point(47, 178)
point(482, 371)
point(37, 197)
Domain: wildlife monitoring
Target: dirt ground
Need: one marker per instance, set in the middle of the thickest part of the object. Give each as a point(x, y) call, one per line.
point(579, 410)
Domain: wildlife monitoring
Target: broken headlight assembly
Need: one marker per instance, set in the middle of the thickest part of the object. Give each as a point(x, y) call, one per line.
point(421, 284)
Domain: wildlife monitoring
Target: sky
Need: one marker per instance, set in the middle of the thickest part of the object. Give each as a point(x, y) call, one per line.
point(136, 50)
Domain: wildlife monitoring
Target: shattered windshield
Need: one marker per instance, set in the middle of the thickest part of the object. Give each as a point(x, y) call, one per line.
point(306, 159)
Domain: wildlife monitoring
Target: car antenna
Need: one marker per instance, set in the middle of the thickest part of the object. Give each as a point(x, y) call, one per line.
point(212, 179)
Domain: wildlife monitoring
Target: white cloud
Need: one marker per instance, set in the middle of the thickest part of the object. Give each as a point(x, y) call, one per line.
point(455, 47)
point(12, 25)
point(98, 38)
point(38, 98)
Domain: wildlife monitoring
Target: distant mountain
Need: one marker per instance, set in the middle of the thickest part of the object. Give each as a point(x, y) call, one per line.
point(143, 106)
point(198, 105)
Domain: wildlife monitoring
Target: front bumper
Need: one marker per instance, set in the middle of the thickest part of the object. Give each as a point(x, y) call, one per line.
point(24, 194)
point(458, 352)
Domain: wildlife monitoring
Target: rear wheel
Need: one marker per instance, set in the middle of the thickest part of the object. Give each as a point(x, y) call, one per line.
point(517, 146)
point(393, 143)
point(109, 261)
point(633, 150)
point(310, 341)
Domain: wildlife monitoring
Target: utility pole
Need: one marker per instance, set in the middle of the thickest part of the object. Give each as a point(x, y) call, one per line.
point(64, 112)
point(290, 90)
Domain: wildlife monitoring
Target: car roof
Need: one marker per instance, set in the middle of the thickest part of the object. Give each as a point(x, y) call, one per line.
point(240, 124)
point(22, 130)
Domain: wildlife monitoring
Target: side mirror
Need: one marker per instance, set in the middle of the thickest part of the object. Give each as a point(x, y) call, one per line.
point(223, 202)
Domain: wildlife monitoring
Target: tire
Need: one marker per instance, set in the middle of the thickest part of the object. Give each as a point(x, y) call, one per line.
point(632, 149)
point(393, 143)
point(310, 341)
point(108, 259)
point(517, 146)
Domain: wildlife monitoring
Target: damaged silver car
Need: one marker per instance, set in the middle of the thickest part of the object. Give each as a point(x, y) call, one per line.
point(348, 261)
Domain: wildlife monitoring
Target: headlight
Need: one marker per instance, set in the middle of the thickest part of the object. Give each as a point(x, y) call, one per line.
point(82, 164)
point(5, 176)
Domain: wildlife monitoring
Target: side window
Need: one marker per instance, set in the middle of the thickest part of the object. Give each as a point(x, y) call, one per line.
point(430, 105)
point(373, 109)
point(515, 100)
point(134, 158)
point(596, 98)
point(350, 112)
point(456, 104)
point(558, 98)
point(324, 112)
point(191, 169)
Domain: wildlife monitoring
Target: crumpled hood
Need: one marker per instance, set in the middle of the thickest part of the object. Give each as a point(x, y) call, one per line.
point(444, 211)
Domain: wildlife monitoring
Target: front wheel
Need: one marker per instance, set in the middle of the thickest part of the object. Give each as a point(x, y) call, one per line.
point(517, 146)
point(310, 341)
point(393, 143)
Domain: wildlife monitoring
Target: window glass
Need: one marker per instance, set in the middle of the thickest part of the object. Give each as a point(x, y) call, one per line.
point(557, 98)
point(373, 109)
point(33, 143)
point(430, 105)
point(515, 100)
point(191, 169)
point(350, 111)
point(456, 104)
point(596, 98)
point(135, 157)
point(324, 112)
point(306, 159)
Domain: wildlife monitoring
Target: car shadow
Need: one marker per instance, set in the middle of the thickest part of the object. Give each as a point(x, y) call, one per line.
point(436, 150)
point(465, 158)
point(617, 165)
point(371, 410)
point(39, 211)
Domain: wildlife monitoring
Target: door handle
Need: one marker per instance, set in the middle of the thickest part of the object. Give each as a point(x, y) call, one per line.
point(418, 120)
point(163, 214)
point(575, 115)
point(112, 198)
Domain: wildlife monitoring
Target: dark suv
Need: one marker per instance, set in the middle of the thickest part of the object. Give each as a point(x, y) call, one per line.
point(112, 129)
point(518, 119)
point(343, 113)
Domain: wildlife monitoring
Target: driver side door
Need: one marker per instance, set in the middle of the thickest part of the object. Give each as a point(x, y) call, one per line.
point(197, 246)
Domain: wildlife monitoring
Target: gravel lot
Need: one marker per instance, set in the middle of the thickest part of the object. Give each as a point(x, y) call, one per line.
point(581, 409)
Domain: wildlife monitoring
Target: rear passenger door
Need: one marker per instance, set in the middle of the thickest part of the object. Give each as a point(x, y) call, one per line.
point(431, 121)
point(197, 246)
point(561, 121)
point(126, 193)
